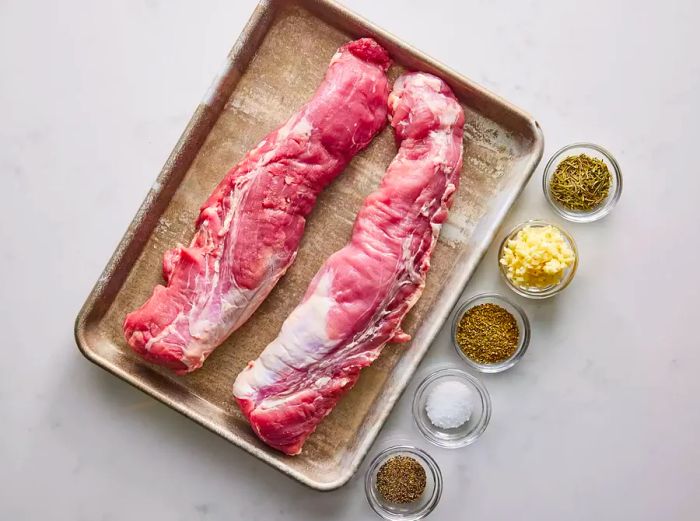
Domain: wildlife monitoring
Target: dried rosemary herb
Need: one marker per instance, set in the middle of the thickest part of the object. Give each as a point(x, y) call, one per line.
point(488, 334)
point(581, 182)
point(401, 479)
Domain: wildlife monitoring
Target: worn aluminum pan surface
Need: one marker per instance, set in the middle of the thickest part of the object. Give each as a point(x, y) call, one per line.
point(274, 67)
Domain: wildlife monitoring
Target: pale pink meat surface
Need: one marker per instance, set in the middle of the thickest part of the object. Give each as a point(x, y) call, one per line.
point(249, 229)
point(357, 300)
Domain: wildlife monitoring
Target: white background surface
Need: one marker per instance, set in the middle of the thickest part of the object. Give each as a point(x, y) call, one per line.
point(600, 421)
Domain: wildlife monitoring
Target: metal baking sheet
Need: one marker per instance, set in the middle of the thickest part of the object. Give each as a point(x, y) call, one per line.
point(273, 68)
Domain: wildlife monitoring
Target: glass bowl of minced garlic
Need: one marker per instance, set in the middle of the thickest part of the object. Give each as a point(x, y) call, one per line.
point(582, 182)
point(538, 259)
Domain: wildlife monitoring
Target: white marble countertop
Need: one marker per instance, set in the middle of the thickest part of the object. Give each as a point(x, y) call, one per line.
point(601, 419)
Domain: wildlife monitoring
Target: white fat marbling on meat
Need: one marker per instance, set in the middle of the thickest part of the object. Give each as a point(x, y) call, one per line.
point(300, 343)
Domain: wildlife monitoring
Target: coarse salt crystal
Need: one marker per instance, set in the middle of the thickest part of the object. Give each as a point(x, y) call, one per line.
point(449, 404)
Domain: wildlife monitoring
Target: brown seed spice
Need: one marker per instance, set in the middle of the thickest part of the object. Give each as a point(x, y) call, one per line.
point(488, 334)
point(401, 479)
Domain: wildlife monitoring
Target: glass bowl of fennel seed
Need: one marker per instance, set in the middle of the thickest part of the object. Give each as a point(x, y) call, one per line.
point(582, 182)
point(490, 333)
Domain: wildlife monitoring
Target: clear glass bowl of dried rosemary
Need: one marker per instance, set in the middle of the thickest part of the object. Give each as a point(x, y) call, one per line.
point(582, 182)
point(490, 333)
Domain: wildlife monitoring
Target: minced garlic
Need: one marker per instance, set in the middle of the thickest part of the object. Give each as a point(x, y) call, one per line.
point(537, 257)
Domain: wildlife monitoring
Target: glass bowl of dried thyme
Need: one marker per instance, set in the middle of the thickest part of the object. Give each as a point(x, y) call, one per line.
point(582, 182)
point(490, 333)
point(403, 483)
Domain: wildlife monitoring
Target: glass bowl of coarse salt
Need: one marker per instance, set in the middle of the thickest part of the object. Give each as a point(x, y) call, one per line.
point(451, 408)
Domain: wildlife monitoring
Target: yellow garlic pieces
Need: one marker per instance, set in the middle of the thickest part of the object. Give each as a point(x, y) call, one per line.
point(537, 256)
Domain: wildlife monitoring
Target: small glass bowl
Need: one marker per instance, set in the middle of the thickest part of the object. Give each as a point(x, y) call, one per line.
point(468, 432)
point(603, 208)
point(520, 319)
point(404, 511)
point(531, 291)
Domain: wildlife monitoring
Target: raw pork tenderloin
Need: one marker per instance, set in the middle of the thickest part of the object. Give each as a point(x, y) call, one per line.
point(355, 303)
point(249, 229)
